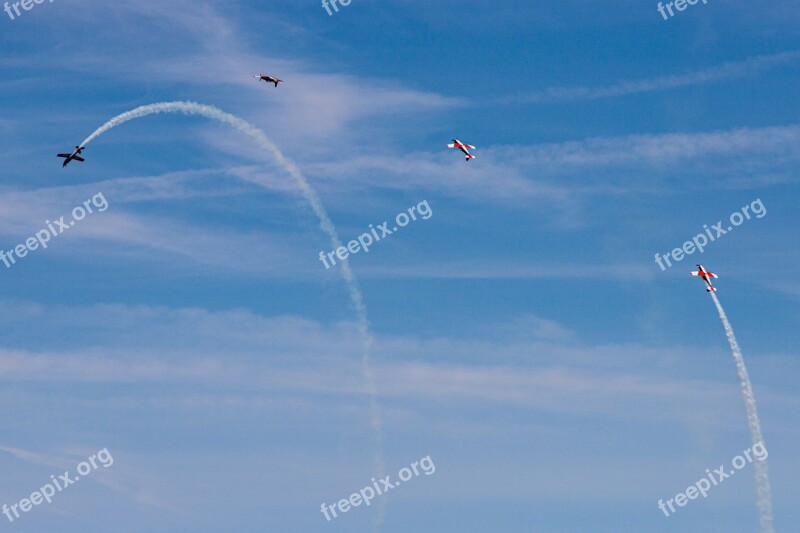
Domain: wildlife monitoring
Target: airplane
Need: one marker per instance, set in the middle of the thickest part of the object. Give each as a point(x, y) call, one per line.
point(73, 156)
point(269, 79)
point(706, 275)
point(463, 147)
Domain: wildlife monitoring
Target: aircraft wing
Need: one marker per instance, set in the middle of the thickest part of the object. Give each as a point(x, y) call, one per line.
point(63, 155)
point(79, 158)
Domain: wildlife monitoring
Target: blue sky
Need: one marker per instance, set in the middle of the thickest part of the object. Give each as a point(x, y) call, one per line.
point(524, 336)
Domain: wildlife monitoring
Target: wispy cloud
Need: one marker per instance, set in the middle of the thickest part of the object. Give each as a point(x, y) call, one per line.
point(157, 238)
point(113, 479)
point(726, 71)
point(225, 351)
point(468, 269)
point(316, 102)
point(557, 173)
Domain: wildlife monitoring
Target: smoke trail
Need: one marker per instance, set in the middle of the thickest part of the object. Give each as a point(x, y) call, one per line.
point(193, 108)
point(763, 493)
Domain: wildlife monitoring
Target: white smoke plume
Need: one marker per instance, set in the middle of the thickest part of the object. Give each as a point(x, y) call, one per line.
point(763, 492)
point(193, 108)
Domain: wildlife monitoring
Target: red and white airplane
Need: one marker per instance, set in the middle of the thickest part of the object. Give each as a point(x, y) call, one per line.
point(269, 79)
point(706, 275)
point(463, 147)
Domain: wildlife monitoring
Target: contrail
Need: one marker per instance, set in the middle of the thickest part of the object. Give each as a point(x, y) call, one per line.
point(193, 108)
point(763, 492)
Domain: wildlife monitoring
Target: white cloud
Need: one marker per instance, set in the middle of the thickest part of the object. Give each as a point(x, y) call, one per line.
point(544, 367)
point(727, 71)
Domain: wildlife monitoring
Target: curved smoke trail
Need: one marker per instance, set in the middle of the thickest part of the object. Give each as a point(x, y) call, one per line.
point(193, 108)
point(763, 492)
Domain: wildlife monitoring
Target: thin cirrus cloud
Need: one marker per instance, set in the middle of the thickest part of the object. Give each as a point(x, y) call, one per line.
point(596, 166)
point(726, 71)
point(223, 67)
point(227, 349)
point(556, 374)
point(154, 238)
